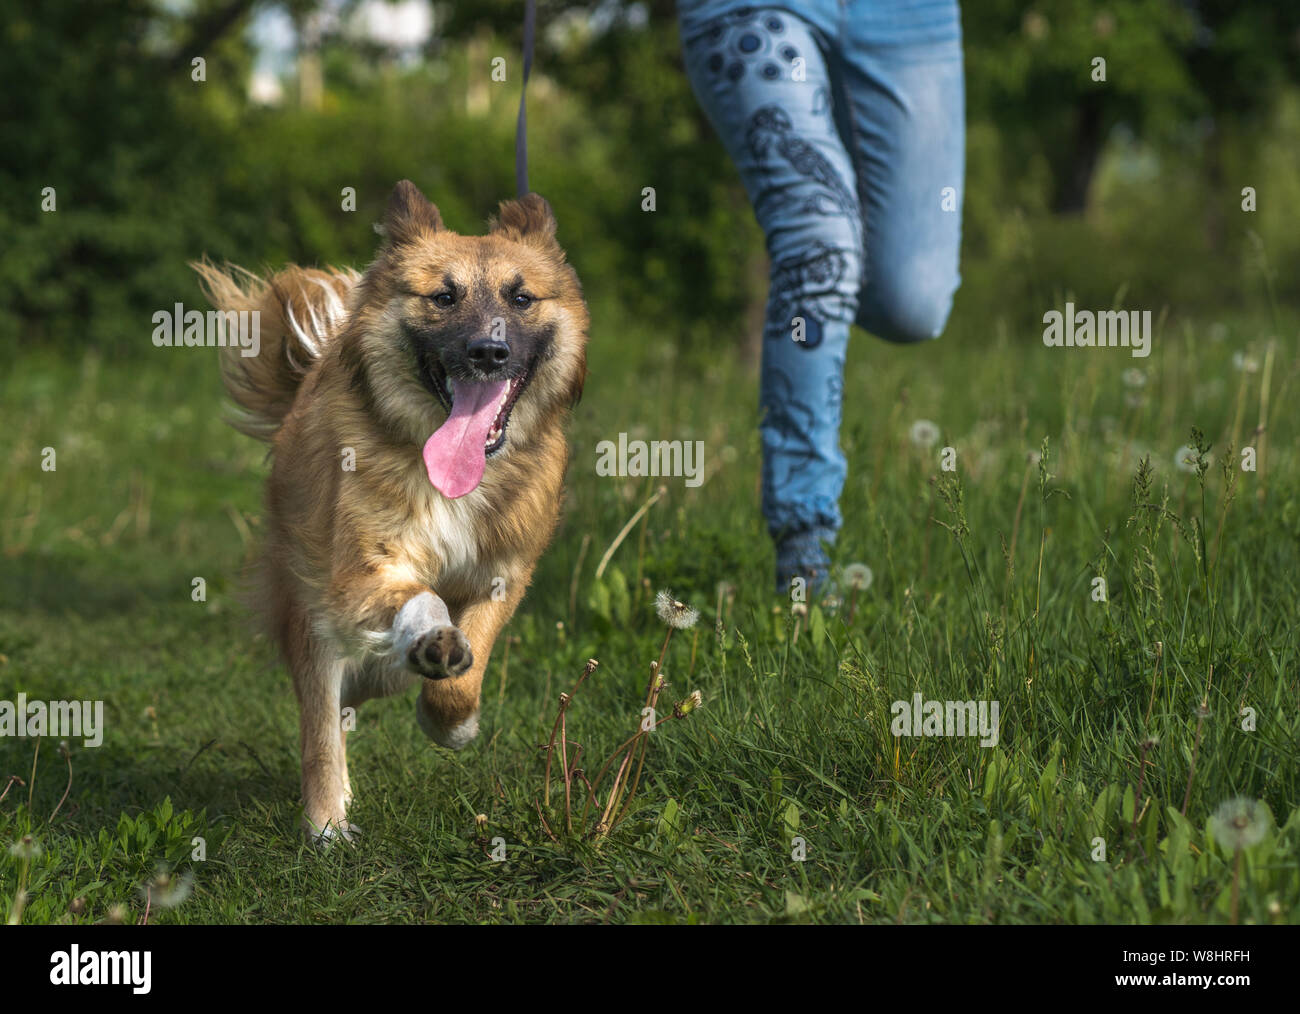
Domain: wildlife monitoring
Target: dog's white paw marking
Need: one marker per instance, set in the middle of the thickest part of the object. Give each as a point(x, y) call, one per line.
point(460, 736)
point(426, 642)
point(456, 738)
point(324, 838)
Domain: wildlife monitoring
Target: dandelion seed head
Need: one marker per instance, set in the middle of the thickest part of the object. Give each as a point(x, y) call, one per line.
point(924, 433)
point(167, 889)
point(1133, 377)
point(1185, 458)
point(677, 615)
point(684, 708)
point(858, 576)
point(26, 848)
point(1240, 823)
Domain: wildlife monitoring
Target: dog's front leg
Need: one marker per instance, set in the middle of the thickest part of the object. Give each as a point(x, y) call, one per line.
point(402, 617)
point(447, 709)
point(420, 640)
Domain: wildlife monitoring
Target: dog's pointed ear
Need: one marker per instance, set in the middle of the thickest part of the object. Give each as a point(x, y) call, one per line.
point(528, 219)
point(409, 214)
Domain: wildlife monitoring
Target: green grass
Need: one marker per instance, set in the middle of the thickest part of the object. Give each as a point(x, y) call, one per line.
point(983, 589)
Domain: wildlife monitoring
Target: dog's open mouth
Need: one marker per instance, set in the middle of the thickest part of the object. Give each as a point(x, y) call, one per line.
point(478, 412)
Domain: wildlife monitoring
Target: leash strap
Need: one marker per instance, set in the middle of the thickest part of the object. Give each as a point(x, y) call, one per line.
point(521, 124)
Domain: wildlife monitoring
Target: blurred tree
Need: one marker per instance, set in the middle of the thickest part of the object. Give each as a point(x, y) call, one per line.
point(1242, 57)
point(1036, 73)
point(152, 167)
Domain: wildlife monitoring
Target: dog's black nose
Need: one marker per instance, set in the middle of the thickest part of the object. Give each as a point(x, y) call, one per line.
point(488, 354)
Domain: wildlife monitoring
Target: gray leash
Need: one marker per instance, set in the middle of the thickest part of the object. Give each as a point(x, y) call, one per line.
point(521, 124)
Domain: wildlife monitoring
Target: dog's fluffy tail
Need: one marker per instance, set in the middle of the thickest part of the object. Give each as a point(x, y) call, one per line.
point(299, 311)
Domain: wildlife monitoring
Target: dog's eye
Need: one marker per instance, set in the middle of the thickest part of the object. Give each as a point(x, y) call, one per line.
point(522, 300)
point(443, 299)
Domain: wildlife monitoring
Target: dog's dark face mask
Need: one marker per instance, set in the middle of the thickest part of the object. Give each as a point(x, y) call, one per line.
point(480, 315)
point(477, 351)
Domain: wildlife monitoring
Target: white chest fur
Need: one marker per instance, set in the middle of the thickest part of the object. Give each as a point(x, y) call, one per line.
point(451, 526)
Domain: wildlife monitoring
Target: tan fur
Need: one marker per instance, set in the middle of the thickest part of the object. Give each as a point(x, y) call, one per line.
point(346, 550)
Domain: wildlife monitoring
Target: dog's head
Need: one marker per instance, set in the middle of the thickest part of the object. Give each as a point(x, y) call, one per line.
point(478, 340)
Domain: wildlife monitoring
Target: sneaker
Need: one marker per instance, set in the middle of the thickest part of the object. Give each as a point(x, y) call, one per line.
point(801, 554)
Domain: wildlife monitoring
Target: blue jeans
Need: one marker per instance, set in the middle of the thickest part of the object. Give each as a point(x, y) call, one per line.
point(846, 120)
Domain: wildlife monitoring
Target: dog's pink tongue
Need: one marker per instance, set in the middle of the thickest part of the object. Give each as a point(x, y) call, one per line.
point(454, 454)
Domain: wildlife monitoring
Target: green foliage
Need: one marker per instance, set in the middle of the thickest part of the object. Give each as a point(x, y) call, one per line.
point(152, 169)
point(81, 879)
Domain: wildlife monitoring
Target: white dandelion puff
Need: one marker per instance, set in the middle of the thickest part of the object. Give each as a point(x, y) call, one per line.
point(1240, 823)
point(677, 615)
point(167, 890)
point(924, 433)
point(26, 848)
point(1185, 458)
point(858, 576)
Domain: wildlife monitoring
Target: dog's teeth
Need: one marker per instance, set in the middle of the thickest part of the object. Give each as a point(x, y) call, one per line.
point(447, 384)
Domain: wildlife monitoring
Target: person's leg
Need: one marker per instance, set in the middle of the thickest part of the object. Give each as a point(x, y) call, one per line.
point(761, 76)
point(903, 113)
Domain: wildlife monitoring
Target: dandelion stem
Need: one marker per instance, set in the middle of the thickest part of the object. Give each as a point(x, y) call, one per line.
point(1137, 796)
point(577, 572)
point(1236, 877)
point(31, 784)
point(1155, 675)
point(618, 539)
point(1191, 772)
point(645, 748)
point(564, 759)
point(68, 758)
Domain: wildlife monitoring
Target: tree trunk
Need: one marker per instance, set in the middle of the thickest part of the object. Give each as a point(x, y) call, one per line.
point(1214, 225)
point(1074, 177)
point(311, 79)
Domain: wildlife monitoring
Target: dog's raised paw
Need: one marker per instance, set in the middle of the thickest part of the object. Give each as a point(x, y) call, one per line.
point(442, 652)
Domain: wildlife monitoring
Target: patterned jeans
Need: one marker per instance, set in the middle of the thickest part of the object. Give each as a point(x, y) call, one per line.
point(846, 121)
